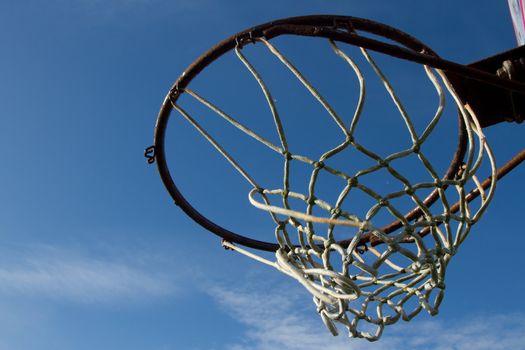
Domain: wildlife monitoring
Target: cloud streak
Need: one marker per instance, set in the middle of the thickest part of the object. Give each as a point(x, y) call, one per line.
point(75, 277)
point(273, 321)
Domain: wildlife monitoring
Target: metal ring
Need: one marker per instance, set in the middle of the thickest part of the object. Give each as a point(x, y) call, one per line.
point(318, 26)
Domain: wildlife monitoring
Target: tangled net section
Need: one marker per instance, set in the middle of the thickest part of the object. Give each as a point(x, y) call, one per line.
point(378, 275)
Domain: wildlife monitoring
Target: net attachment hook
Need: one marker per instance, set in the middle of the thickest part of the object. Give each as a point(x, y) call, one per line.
point(245, 38)
point(174, 92)
point(149, 153)
point(226, 244)
point(343, 25)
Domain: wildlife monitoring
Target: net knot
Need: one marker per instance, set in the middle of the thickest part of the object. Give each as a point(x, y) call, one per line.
point(383, 163)
point(328, 243)
point(286, 154)
point(353, 181)
point(365, 226)
point(319, 165)
point(335, 212)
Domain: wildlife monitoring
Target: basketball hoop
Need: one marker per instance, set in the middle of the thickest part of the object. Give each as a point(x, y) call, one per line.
point(379, 274)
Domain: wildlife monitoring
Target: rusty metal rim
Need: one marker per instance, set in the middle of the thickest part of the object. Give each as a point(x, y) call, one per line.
point(326, 26)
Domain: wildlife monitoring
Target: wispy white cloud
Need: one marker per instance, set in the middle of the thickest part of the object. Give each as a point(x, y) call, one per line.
point(273, 321)
point(44, 272)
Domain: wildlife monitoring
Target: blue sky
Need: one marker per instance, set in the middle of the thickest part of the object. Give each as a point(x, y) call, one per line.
point(95, 255)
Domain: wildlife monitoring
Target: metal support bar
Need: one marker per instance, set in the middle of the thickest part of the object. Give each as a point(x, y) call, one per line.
point(494, 104)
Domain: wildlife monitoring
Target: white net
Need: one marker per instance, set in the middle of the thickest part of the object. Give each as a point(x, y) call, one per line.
point(375, 278)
